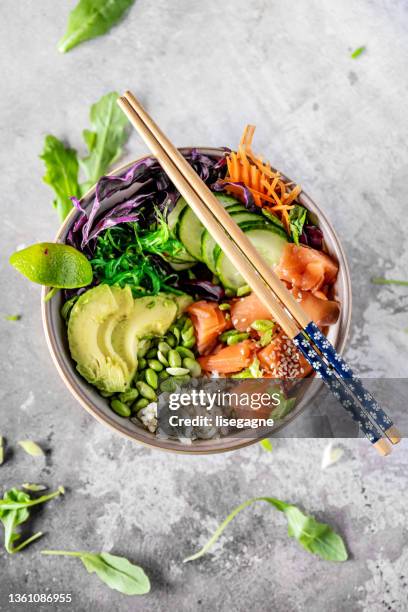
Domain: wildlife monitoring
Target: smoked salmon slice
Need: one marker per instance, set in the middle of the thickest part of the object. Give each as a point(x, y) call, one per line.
point(209, 322)
point(306, 268)
point(230, 359)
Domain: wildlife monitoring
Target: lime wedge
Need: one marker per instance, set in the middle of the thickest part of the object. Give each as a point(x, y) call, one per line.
point(54, 265)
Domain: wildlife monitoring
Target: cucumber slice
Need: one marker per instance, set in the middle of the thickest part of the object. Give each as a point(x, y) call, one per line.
point(189, 228)
point(236, 208)
point(267, 241)
point(226, 200)
point(173, 216)
point(244, 219)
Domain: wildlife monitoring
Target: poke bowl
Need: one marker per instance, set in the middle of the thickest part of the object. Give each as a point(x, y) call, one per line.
point(157, 315)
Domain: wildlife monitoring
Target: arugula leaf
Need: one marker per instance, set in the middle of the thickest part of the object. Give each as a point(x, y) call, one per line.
point(14, 511)
point(117, 572)
point(317, 538)
point(61, 173)
point(105, 141)
point(358, 52)
point(297, 219)
point(388, 281)
point(92, 18)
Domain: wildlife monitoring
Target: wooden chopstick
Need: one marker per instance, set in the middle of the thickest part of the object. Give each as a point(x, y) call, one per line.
point(225, 219)
point(242, 262)
point(274, 295)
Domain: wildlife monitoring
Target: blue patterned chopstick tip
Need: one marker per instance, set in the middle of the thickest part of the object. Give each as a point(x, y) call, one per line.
point(340, 391)
point(355, 385)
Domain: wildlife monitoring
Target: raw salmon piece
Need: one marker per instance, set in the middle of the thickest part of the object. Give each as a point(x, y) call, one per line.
point(230, 359)
point(306, 268)
point(282, 359)
point(322, 311)
point(209, 322)
point(246, 310)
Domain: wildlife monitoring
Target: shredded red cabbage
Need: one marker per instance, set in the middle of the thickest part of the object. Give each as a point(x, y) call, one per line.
point(312, 236)
point(246, 196)
point(154, 189)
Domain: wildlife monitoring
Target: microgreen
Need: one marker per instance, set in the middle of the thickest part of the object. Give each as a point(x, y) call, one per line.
point(297, 219)
point(117, 572)
point(317, 538)
point(14, 511)
point(31, 448)
point(358, 52)
point(15, 317)
point(388, 281)
point(266, 445)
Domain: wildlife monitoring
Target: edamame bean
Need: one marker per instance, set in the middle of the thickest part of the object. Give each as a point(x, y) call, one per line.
point(177, 371)
point(168, 386)
point(163, 375)
point(143, 347)
point(185, 352)
point(244, 290)
point(193, 366)
point(155, 365)
point(142, 363)
point(188, 334)
point(228, 334)
point(141, 403)
point(151, 354)
point(262, 325)
point(162, 358)
point(170, 339)
point(237, 338)
point(146, 391)
point(187, 325)
point(164, 347)
point(180, 323)
point(183, 379)
point(151, 378)
point(120, 408)
point(177, 334)
point(174, 359)
point(106, 393)
point(189, 343)
point(129, 396)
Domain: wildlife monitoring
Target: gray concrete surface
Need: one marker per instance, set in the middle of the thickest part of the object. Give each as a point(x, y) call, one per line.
point(337, 125)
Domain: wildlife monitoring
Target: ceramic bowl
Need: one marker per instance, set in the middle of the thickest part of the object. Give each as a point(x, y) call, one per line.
point(98, 407)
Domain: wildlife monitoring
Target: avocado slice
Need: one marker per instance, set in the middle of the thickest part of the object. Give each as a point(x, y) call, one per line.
point(182, 302)
point(151, 315)
point(104, 327)
point(89, 314)
point(124, 301)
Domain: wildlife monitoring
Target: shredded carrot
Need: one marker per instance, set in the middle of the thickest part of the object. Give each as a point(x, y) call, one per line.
point(265, 184)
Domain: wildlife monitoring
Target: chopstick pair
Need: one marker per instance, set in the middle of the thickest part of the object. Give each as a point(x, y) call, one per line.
point(285, 310)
